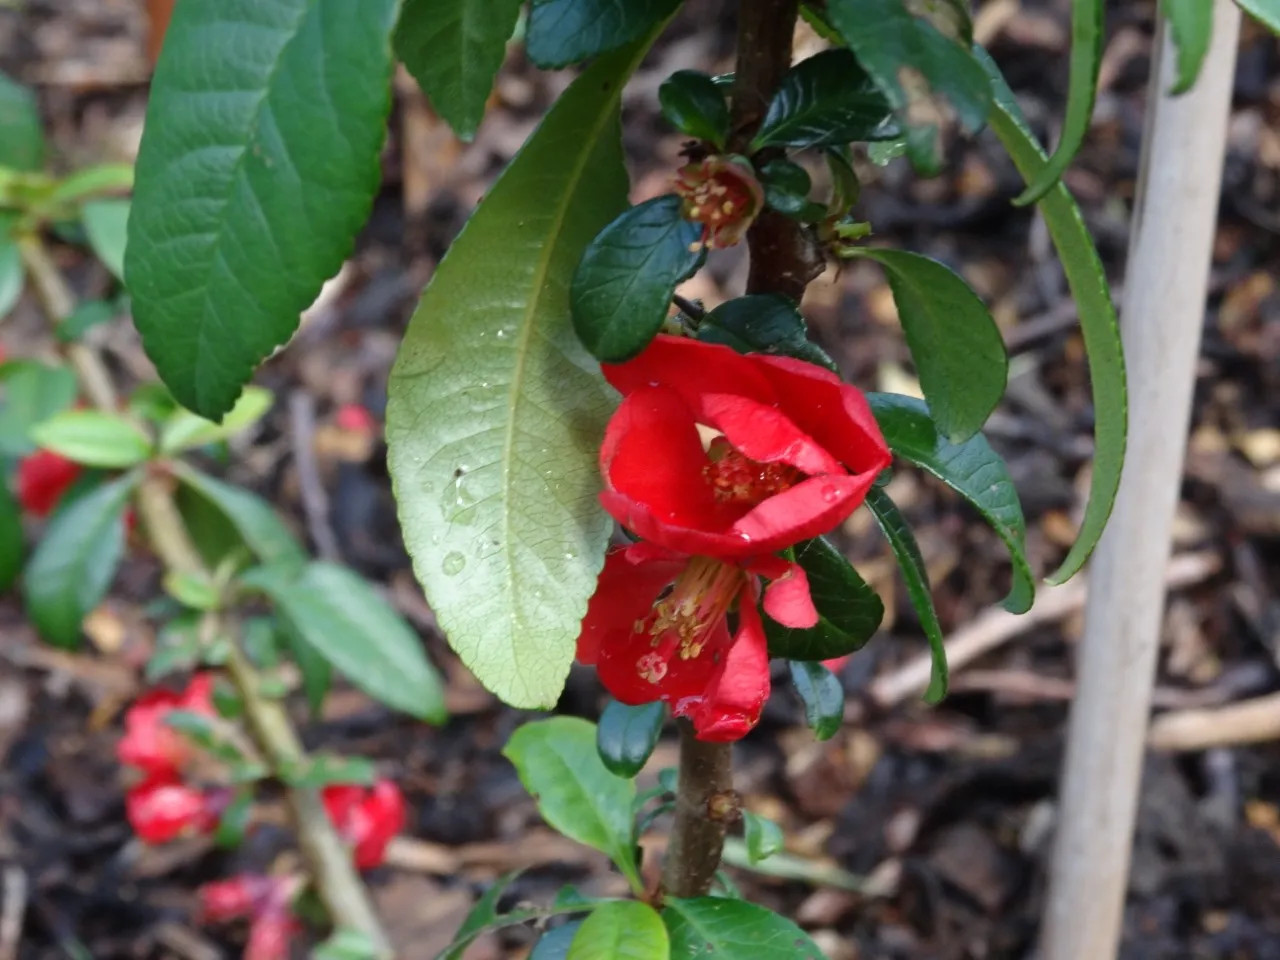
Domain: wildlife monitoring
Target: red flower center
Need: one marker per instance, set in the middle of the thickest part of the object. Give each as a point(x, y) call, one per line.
point(721, 194)
point(680, 623)
point(735, 478)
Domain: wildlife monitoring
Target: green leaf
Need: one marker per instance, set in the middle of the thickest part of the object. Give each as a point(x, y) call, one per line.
point(210, 734)
point(555, 943)
point(627, 735)
point(786, 189)
point(317, 675)
point(913, 63)
point(621, 930)
point(185, 431)
point(1191, 22)
point(903, 541)
point(254, 174)
point(321, 771)
point(484, 916)
point(178, 647)
point(196, 591)
point(763, 323)
point(11, 276)
point(764, 837)
point(93, 438)
point(92, 181)
point(454, 49)
point(693, 104)
point(1267, 12)
point(12, 545)
point(849, 610)
point(576, 794)
point(1088, 282)
point(346, 944)
point(106, 224)
point(1087, 24)
point(33, 392)
point(75, 561)
point(972, 469)
point(562, 32)
point(720, 927)
point(822, 695)
point(957, 348)
point(340, 615)
point(21, 137)
point(623, 286)
point(235, 820)
point(827, 100)
point(86, 315)
point(888, 150)
point(253, 518)
point(496, 412)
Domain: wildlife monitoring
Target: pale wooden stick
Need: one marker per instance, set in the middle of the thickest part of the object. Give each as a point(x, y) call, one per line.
point(1162, 316)
point(1250, 721)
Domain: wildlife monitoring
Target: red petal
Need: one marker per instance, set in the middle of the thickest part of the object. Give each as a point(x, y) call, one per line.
point(198, 697)
point(692, 368)
point(160, 811)
point(765, 434)
point(809, 509)
point(623, 676)
point(270, 935)
point(628, 586)
point(232, 899)
point(831, 411)
point(732, 704)
point(788, 601)
point(148, 743)
point(43, 477)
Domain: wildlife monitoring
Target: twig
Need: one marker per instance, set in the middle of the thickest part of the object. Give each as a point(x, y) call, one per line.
point(1166, 282)
point(688, 307)
point(14, 907)
point(705, 806)
point(315, 500)
point(1250, 721)
point(333, 871)
point(997, 626)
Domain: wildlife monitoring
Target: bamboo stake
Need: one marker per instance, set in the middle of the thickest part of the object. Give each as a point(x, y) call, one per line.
point(1162, 314)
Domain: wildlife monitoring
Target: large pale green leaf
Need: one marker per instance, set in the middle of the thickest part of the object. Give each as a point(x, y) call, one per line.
point(562, 32)
point(30, 393)
point(621, 930)
point(576, 794)
point(1266, 11)
point(256, 523)
point(896, 530)
point(956, 345)
point(915, 64)
point(496, 411)
point(21, 137)
point(94, 438)
point(340, 615)
point(258, 165)
point(827, 100)
point(73, 566)
point(717, 927)
point(1192, 24)
point(623, 286)
point(106, 222)
point(1088, 282)
point(454, 48)
point(972, 469)
point(849, 610)
point(1087, 22)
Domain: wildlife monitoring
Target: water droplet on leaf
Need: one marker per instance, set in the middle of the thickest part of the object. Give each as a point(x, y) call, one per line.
point(453, 563)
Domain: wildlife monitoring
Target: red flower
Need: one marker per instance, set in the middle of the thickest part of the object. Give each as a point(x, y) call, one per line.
point(241, 896)
point(793, 453)
point(149, 743)
point(270, 935)
point(162, 809)
point(677, 648)
point(354, 418)
point(722, 194)
point(43, 477)
point(366, 818)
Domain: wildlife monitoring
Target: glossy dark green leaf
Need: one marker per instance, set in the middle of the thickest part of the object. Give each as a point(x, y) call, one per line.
point(75, 561)
point(1267, 12)
point(623, 286)
point(496, 411)
point(342, 617)
point(21, 136)
point(786, 189)
point(972, 469)
point(626, 735)
point(955, 344)
point(695, 105)
point(11, 275)
point(554, 944)
point(576, 794)
point(256, 523)
point(827, 100)
point(621, 930)
point(763, 323)
point(562, 32)
point(12, 545)
point(849, 610)
point(93, 438)
point(894, 526)
point(731, 929)
point(255, 172)
point(822, 694)
point(1088, 282)
point(106, 223)
point(764, 837)
point(1087, 23)
point(454, 48)
point(913, 63)
point(845, 186)
point(1191, 22)
point(30, 393)
point(86, 316)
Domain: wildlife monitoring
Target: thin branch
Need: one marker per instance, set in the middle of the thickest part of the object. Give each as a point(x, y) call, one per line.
point(688, 307)
point(705, 806)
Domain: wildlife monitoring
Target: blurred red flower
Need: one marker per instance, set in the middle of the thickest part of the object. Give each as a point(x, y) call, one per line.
point(43, 477)
point(152, 745)
point(366, 818)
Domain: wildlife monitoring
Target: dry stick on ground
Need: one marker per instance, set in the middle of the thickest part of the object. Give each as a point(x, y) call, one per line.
point(1249, 721)
point(333, 871)
point(1161, 320)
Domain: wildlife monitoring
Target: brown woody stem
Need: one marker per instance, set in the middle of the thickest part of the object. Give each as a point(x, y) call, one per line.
point(783, 260)
point(339, 886)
